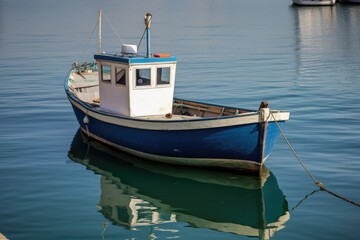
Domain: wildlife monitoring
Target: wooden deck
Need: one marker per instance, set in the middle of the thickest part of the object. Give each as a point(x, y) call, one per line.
point(85, 85)
point(84, 80)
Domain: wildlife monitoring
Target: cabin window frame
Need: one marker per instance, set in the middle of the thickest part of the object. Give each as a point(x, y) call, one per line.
point(162, 83)
point(138, 85)
point(106, 80)
point(153, 76)
point(124, 77)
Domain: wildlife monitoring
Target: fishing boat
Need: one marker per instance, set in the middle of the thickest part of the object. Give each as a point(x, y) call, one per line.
point(315, 2)
point(229, 202)
point(126, 100)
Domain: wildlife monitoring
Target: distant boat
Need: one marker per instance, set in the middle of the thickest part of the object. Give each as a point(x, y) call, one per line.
point(126, 100)
point(350, 1)
point(137, 193)
point(315, 2)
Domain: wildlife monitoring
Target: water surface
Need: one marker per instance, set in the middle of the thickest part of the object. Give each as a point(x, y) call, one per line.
point(302, 59)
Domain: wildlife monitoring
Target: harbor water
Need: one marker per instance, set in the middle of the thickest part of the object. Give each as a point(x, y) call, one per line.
point(57, 184)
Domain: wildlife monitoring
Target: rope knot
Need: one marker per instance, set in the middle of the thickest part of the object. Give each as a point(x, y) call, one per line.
point(320, 185)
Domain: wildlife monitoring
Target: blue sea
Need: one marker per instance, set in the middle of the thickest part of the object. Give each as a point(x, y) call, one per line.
point(56, 184)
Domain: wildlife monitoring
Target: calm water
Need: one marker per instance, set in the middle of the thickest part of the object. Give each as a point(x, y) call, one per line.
point(56, 185)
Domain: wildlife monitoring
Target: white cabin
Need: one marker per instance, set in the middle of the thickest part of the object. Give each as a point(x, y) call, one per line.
point(136, 86)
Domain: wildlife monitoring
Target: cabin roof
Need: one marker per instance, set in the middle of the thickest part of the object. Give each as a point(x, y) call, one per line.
point(133, 58)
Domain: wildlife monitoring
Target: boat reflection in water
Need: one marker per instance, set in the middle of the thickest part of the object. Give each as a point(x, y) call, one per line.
point(137, 193)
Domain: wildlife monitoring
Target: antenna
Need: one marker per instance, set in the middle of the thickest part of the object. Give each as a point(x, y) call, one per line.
point(147, 20)
point(99, 34)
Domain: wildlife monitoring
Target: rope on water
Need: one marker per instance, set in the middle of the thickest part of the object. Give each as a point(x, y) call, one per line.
point(302, 200)
point(319, 184)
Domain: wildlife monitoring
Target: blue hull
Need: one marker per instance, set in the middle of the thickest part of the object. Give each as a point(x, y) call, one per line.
point(239, 146)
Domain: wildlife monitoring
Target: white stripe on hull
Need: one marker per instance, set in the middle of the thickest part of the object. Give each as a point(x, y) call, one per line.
point(185, 124)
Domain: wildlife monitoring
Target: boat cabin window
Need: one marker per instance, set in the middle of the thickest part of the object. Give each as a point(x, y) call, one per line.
point(163, 75)
point(143, 77)
point(105, 73)
point(120, 75)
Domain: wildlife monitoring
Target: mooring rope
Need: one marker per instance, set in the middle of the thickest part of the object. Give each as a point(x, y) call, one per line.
point(304, 198)
point(319, 184)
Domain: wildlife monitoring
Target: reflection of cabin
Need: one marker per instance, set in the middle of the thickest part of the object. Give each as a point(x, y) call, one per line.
point(124, 209)
point(136, 86)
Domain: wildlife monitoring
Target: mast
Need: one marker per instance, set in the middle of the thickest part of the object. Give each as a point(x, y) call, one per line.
point(99, 34)
point(147, 19)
